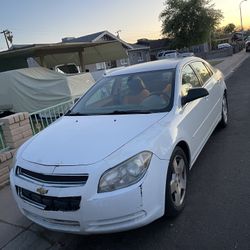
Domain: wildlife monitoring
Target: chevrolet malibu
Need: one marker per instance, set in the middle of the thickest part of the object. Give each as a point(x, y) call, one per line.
point(119, 158)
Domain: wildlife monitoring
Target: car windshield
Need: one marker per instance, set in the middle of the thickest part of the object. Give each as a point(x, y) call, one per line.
point(144, 92)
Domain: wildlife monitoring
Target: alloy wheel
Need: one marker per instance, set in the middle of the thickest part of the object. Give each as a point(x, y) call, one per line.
point(224, 109)
point(178, 181)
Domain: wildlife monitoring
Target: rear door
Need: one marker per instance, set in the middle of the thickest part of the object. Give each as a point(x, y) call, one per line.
point(193, 114)
point(213, 100)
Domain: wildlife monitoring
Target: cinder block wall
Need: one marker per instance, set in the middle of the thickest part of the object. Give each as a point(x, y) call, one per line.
point(5, 166)
point(16, 131)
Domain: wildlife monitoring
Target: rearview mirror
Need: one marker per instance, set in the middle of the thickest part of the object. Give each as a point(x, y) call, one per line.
point(194, 94)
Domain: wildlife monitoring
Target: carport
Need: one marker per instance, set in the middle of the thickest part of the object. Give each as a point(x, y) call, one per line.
point(50, 55)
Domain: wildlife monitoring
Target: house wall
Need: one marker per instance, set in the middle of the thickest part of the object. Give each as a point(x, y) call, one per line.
point(138, 56)
point(119, 63)
point(16, 130)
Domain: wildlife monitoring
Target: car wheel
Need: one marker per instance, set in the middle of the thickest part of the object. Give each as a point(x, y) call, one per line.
point(224, 112)
point(176, 184)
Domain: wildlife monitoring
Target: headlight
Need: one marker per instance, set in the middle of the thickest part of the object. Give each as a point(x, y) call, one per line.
point(126, 173)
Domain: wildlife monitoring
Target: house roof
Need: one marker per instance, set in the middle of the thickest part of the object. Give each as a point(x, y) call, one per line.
point(95, 37)
point(87, 38)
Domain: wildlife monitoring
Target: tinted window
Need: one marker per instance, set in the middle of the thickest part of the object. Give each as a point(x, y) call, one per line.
point(189, 80)
point(201, 70)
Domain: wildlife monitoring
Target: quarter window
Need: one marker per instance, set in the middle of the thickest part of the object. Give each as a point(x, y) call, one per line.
point(201, 70)
point(209, 69)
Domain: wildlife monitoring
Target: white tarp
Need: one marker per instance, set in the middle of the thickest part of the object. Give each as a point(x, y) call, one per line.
point(33, 89)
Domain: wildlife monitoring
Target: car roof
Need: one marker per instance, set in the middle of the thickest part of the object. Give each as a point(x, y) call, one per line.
point(223, 44)
point(153, 66)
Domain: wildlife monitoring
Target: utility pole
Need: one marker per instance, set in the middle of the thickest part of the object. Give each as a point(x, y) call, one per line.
point(8, 36)
point(118, 33)
point(241, 19)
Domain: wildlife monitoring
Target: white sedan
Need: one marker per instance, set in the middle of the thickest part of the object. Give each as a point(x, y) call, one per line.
point(119, 159)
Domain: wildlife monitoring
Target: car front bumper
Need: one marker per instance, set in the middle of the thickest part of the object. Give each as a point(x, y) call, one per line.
point(120, 210)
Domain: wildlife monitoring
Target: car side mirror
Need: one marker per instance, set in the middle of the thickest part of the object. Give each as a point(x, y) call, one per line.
point(193, 94)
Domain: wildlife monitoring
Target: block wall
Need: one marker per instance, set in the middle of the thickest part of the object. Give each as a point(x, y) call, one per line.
point(16, 130)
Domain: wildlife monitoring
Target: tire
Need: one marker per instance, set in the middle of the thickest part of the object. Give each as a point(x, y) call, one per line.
point(224, 112)
point(176, 184)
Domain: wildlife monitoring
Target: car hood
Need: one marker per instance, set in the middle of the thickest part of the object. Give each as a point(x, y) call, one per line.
point(85, 140)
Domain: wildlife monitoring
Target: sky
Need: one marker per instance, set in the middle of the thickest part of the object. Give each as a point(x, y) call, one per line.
point(47, 21)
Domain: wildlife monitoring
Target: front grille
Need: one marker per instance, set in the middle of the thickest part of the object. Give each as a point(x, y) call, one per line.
point(53, 179)
point(49, 203)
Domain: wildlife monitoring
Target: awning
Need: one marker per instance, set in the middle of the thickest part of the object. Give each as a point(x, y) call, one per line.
point(50, 55)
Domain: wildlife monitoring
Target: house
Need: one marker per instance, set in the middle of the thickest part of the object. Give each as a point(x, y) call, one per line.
point(136, 53)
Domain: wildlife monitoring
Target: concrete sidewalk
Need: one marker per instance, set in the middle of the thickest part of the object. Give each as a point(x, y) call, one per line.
point(231, 63)
point(17, 232)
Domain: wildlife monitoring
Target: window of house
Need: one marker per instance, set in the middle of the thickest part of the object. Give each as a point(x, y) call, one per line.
point(201, 70)
point(100, 66)
point(124, 61)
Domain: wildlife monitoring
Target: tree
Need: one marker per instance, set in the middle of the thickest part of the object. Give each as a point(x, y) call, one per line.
point(230, 28)
point(189, 22)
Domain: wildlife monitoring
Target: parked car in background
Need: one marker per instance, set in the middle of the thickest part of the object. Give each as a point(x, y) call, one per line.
point(168, 54)
point(69, 68)
point(119, 159)
point(165, 54)
point(185, 54)
point(224, 46)
point(247, 46)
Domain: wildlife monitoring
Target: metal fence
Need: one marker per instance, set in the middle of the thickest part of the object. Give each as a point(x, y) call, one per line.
point(43, 118)
point(3, 146)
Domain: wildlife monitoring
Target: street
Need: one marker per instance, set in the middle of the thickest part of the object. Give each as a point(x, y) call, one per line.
point(217, 214)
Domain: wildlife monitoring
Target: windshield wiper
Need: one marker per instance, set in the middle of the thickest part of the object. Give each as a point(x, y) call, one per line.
point(115, 112)
point(75, 114)
point(126, 112)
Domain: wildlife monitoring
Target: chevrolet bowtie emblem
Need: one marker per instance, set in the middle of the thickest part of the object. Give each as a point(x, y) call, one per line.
point(42, 191)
